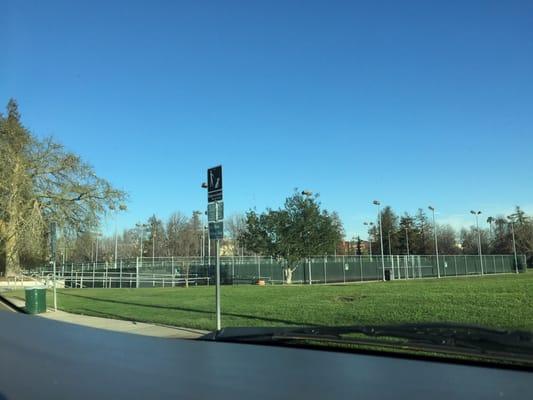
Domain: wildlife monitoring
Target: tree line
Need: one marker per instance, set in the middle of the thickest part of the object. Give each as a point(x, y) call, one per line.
point(415, 234)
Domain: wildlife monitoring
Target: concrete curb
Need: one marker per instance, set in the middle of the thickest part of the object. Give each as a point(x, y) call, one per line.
point(11, 304)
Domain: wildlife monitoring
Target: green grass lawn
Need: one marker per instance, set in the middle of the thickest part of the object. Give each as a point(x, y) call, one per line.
point(496, 301)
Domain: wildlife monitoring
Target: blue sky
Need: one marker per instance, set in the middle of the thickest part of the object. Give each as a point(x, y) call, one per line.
point(412, 103)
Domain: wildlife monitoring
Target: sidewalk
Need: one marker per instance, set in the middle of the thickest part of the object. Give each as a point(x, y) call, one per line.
point(117, 325)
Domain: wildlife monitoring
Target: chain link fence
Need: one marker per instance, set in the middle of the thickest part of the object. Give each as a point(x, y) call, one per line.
point(193, 271)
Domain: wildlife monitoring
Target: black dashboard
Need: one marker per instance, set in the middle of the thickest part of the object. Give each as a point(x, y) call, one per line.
point(44, 359)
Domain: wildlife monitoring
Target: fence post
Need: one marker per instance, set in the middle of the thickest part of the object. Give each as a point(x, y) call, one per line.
point(398, 266)
point(120, 284)
point(258, 267)
point(419, 268)
point(233, 269)
point(466, 265)
point(94, 272)
point(343, 271)
point(81, 280)
point(137, 272)
point(494, 262)
point(455, 264)
point(325, 273)
point(71, 274)
point(361, 266)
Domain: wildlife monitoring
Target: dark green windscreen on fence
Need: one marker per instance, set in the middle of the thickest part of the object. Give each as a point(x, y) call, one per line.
point(180, 271)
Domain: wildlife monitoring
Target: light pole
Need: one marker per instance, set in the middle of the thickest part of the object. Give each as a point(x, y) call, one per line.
point(307, 195)
point(436, 242)
point(511, 221)
point(377, 203)
point(141, 227)
point(96, 255)
point(121, 207)
point(407, 241)
point(476, 214)
point(153, 246)
point(369, 238)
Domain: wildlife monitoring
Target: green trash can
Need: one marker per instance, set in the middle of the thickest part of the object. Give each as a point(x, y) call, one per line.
point(35, 299)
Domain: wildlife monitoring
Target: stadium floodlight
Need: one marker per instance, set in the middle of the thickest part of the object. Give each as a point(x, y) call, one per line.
point(436, 241)
point(476, 214)
point(204, 185)
point(141, 227)
point(307, 193)
point(121, 207)
point(378, 203)
point(511, 221)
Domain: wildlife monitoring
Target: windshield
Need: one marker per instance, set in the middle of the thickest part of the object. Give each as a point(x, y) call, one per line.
point(354, 174)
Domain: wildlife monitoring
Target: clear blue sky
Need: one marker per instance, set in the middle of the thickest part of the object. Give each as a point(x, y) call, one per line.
point(411, 103)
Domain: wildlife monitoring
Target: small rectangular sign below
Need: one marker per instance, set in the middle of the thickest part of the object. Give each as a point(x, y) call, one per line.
point(215, 211)
point(216, 230)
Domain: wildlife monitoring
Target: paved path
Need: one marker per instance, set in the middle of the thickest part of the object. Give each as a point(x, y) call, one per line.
point(4, 307)
point(138, 328)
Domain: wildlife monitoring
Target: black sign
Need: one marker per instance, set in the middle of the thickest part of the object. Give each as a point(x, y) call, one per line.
point(214, 184)
point(216, 230)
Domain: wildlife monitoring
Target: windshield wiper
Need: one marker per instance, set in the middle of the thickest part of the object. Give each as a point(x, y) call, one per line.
point(434, 337)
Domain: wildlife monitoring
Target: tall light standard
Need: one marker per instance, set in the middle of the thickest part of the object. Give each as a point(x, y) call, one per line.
point(154, 234)
point(121, 207)
point(407, 241)
point(369, 238)
point(511, 221)
point(377, 203)
point(308, 195)
point(436, 242)
point(141, 227)
point(198, 214)
point(476, 214)
point(96, 253)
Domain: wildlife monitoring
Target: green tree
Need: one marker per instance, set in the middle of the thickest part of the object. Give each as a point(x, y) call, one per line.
point(406, 234)
point(523, 227)
point(41, 182)
point(293, 233)
point(422, 234)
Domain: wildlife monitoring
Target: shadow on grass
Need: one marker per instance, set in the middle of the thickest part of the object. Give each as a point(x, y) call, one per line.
point(192, 310)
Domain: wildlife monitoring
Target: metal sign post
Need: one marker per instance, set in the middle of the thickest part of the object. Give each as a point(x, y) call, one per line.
point(215, 217)
point(53, 259)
